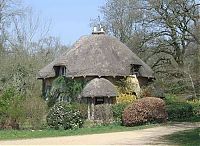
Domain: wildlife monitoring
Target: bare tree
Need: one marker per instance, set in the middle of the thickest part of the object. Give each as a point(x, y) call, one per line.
point(170, 24)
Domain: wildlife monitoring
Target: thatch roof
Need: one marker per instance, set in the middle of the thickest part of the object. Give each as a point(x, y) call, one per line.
point(146, 71)
point(99, 87)
point(47, 71)
point(99, 55)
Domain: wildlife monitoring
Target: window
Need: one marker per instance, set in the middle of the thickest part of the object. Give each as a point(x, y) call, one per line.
point(99, 100)
point(60, 70)
point(57, 69)
point(135, 69)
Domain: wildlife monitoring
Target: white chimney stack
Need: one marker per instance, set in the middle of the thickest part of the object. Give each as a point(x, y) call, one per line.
point(94, 29)
point(101, 29)
point(98, 30)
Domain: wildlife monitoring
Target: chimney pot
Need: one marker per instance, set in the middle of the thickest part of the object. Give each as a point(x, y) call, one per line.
point(94, 29)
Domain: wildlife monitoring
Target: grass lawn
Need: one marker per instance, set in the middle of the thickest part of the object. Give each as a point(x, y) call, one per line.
point(19, 134)
point(185, 138)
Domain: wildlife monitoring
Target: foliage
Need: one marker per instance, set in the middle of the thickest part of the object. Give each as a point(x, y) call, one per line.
point(128, 89)
point(82, 108)
point(117, 110)
point(72, 118)
point(11, 109)
point(63, 115)
point(178, 111)
point(165, 35)
point(55, 116)
point(103, 113)
point(35, 110)
point(89, 123)
point(64, 89)
point(125, 98)
point(196, 107)
point(184, 138)
point(149, 109)
point(154, 89)
point(173, 98)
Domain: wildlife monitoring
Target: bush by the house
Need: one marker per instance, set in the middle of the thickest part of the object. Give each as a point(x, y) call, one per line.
point(72, 117)
point(35, 109)
point(178, 111)
point(117, 110)
point(126, 98)
point(145, 110)
point(11, 109)
point(55, 116)
point(82, 108)
point(103, 113)
point(65, 116)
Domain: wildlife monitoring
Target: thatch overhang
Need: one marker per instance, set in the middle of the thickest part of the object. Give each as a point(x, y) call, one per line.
point(146, 71)
point(99, 87)
point(47, 72)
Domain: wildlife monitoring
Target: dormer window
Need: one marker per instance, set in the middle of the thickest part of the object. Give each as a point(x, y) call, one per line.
point(60, 70)
point(135, 69)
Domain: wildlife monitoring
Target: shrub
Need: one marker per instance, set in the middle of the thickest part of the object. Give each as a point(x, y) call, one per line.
point(72, 118)
point(149, 109)
point(103, 113)
point(82, 108)
point(125, 98)
point(128, 90)
point(55, 116)
point(178, 111)
point(196, 108)
point(117, 110)
point(35, 109)
point(11, 109)
point(65, 116)
point(173, 98)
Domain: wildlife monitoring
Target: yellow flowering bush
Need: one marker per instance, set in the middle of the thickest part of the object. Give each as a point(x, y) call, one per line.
point(126, 98)
point(128, 90)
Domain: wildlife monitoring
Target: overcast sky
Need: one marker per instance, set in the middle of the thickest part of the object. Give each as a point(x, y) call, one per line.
point(70, 19)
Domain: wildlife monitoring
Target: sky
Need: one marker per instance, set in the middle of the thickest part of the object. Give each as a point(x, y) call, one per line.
point(69, 19)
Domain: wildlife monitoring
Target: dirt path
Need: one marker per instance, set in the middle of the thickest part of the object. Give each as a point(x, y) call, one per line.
point(138, 137)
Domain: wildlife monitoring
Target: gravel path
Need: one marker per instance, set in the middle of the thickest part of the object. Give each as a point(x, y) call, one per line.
point(150, 136)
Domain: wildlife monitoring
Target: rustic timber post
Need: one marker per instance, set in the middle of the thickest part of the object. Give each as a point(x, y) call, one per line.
point(89, 107)
point(92, 107)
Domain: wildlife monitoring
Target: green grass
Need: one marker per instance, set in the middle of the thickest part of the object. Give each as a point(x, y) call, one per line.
point(21, 134)
point(184, 138)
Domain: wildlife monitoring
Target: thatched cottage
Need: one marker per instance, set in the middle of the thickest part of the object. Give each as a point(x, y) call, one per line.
point(101, 60)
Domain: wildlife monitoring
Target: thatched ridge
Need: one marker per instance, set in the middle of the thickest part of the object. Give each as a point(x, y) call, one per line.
point(98, 55)
point(99, 87)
